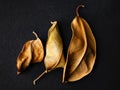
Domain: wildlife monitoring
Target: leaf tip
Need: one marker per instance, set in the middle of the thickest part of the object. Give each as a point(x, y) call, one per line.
point(34, 83)
point(79, 6)
point(53, 22)
point(18, 73)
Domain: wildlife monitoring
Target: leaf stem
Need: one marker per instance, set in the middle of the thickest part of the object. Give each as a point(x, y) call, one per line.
point(79, 6)
point(34, 82)
point(35, 34)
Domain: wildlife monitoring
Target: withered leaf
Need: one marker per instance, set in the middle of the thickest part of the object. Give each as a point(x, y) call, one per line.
point(32, 51)
point(37, 50)
point(54, 50)
point(81, 52)
point(24, 57)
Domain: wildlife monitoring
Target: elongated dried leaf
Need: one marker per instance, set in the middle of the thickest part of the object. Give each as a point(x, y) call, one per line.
point(81, 54)
point(54, 50)
point(32, 51)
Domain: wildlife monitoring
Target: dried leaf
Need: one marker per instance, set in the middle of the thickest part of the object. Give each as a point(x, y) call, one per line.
point(24, 57)
point(37, 50)
point(81, 52)
point(54, 50)
point(32, 51)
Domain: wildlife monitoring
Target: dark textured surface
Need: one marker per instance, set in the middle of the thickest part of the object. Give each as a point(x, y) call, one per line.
point(19, 18)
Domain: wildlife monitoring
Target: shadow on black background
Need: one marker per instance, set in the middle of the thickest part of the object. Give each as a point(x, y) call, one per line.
point(19, 18)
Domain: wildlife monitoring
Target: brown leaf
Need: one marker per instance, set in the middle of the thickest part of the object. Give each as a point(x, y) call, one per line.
point(37, 50)
point(24, 58)
point(81, 52)
point(32, 51)
point(54, 50)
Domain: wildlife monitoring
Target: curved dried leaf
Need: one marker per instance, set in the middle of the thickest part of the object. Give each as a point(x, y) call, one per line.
point(37, 50)
point(32, 51)
point(24, 58)
point(54, 50)
point(85, 61)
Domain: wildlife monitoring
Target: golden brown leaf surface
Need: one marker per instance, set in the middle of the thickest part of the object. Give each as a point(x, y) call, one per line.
point(54, 48)
point(24, 57)
point(81, 52)
point(37, 50)
point(54, 57)
point(32, 51)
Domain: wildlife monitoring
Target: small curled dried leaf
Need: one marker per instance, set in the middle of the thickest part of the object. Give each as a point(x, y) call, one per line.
point(54, 51)
point(24, 57)
point(81, 52)
point(32, 51)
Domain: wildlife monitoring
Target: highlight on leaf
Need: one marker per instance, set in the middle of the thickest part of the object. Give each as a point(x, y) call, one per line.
point(81, 52)
point(32, 52)
point(54, 57)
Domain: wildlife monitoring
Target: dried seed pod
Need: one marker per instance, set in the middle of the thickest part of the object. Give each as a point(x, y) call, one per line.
point(54, 50)
point(32, 51)
point(81, 52)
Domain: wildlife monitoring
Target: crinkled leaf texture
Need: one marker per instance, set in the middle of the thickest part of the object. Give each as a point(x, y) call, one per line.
point(54, 49)
point(54, 57)
point(81, 52)
point(32, 52)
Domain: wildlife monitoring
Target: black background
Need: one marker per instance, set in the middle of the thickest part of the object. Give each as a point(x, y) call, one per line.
point(19, 18)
